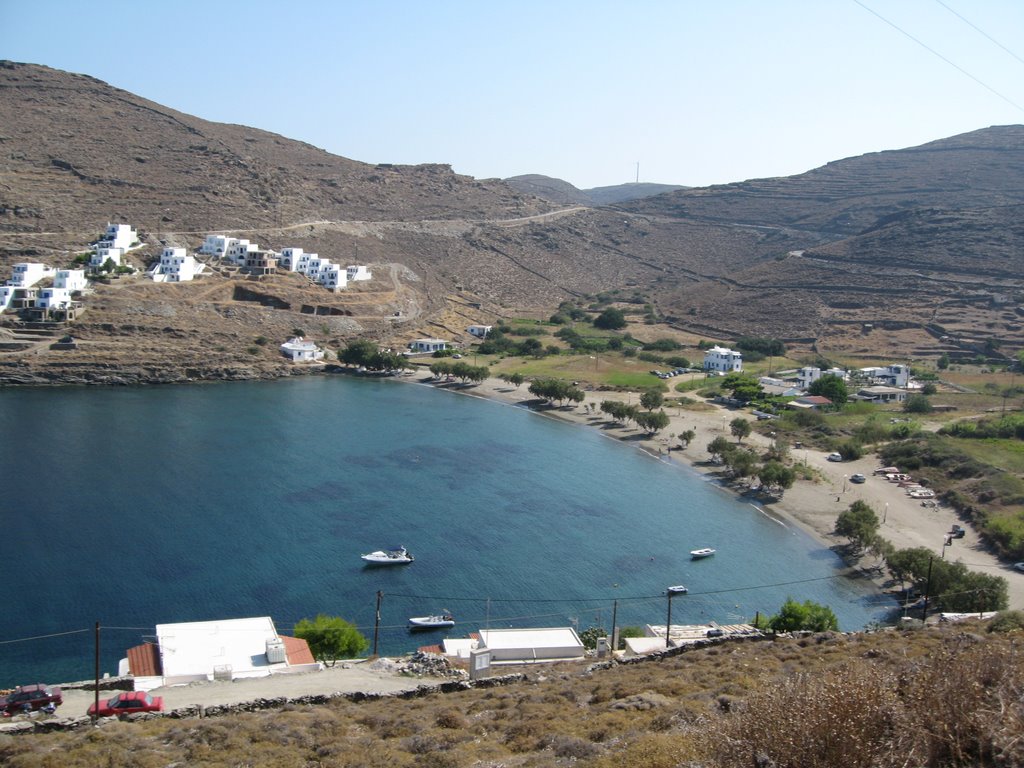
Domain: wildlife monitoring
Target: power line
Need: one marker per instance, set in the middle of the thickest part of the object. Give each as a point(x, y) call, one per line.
point(43, 637)
point(980, 31)
point(960, 69)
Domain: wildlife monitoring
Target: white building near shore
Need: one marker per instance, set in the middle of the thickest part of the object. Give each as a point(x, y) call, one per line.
point(301, 351)
point(723, 359)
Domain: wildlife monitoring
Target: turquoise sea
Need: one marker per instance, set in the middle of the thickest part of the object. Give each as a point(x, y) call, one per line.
point(139, 506)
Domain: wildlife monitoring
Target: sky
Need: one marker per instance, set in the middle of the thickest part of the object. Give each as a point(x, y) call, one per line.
point(691, 92)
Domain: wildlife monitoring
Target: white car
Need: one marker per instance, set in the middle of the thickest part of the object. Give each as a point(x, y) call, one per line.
point(835, 457)
point(1019, 567)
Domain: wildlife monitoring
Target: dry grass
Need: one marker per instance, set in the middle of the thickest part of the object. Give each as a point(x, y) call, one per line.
point(940, 697)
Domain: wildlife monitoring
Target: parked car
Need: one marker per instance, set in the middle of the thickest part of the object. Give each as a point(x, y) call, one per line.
point(1019, 567)
point(30, 698)
point(128, 703)
point(858, 478)
point(835, 457)
point(957, 532)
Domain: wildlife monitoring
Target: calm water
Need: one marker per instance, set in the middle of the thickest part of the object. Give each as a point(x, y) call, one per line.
point(134, 507)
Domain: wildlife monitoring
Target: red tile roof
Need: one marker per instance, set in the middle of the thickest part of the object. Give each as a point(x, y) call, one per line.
point(297, 650)
point(144, 661)
point(430, 649)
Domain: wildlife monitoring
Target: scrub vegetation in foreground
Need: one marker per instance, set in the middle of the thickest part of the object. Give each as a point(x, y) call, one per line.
point(951, 695)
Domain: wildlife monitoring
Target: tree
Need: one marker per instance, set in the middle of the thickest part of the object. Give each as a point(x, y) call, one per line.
point(776, 476)
point(943, 362)
point(929, 388)
point(515, 379)
point(859, 524)
point(830, 386)
point(359, 353)
point(610, 320)
point(806, 616)
point(591, 635)
point(740, 428)
point(651, 399)
point(652, 421)
point(720, 447)
point(331, 638)
point(917, 404)
point(686, 437)
point(742, 462)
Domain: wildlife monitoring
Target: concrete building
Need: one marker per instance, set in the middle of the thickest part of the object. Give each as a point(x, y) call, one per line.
point(72, 279)
point(880, 394)
point(301, 351)
point(217, 245)
point(294, 259)
point(120, 236)
point(28, 273)
point(888, 376)
point(103, 253)
point(723, 359)
point(6, 294)
point(175, 266)
point(259, 262)
point(480, 331)
point(54, 298)
point(238, 250)
point(525, 646)
point(230, 649)
point(358, 272)
point(428, 345)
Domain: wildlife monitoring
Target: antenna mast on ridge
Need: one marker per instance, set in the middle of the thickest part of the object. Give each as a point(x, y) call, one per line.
point(637, 171)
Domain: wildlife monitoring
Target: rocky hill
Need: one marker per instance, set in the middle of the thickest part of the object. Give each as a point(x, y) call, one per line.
point(564, 193)
point(927, 239)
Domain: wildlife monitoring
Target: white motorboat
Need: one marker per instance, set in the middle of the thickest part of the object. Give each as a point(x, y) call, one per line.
point(438, 621)
point(697, 554)
point(678, 589)
point(394, 556)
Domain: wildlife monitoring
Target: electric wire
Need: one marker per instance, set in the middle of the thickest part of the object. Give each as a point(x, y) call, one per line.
point(980, 31)
point(957, 67)
point(43, 637)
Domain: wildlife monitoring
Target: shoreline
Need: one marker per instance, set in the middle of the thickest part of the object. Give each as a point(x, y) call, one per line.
point(811, 506)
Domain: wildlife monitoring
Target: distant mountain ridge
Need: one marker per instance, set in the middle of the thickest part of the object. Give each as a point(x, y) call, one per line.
point(559, 191)
point(927, 238)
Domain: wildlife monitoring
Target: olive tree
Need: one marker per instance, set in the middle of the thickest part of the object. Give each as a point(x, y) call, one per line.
point(331, 638)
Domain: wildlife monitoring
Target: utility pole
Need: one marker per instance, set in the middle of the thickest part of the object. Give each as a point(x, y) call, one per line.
point(927, 590)
point(376, 622)
point(637, 171)
point(96, 689)
point(615, 628)
point(668, 619)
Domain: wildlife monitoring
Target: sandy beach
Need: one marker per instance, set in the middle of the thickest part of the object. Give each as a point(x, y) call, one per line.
point(811, 505)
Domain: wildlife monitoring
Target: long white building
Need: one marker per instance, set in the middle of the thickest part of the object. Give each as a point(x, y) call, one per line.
point(28, 273)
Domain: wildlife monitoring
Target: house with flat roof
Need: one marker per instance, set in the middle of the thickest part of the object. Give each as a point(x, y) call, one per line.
point(480, 331)
point(103, 253)
point(175, 266)
point(28, 273)
point(428, 345)
point(72, 279)
point(227, 649)
point(888, 375)
point(357, 272)
point(217, 245)
point(723, 359)
point(121, 236)
point(526, 646)
point(301, 351)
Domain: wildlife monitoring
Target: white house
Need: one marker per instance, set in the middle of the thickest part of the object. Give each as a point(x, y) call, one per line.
point(175, 266)
point(807, 376)
point(28, 273)
point(72, 279)
point(480, 331)
point(238, 250)
point(217, 245)
point(204, 651)
point(889, 375)
point(358, 273)
point(723, 359)
point(333, 277)
point(524, 646)
point(120, 236)
point(428, 345)
point(103, 253)
point(301, 351)
point(6, 292)
point(54, 298)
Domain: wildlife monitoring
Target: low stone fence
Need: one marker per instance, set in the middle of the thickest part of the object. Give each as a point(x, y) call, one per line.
point(32, 725)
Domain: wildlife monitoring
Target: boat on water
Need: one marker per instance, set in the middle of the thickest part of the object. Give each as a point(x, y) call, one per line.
point(678, 589)
point(438, 621)
point(697, 554)
point(393, 556)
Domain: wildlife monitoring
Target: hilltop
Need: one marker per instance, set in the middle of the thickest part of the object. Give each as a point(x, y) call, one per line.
point(900, 253)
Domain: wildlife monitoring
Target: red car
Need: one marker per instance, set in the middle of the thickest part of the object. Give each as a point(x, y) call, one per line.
point(26, 698)
point(128, 703)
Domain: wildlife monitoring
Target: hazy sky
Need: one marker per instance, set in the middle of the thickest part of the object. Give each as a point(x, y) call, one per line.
point(696, 92)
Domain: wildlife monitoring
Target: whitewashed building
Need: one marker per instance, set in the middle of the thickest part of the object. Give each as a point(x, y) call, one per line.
point(204, 651)
point(103, 253)
point(54, 298)
point(121, 236)
point(808, 375)
point(333, 277)
point(480, 331)
point(301, 351)
point(295, 259)
point(888, 376)
point(238, 251)
point(723, 359)
point(6, 293)
point(525, 646)
point(72, 279)
point(175, 266)
point(217, 245)
point(28, 273)
point(358, 272)
point(428, 345)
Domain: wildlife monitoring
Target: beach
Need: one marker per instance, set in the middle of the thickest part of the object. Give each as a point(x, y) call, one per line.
point(811, 505)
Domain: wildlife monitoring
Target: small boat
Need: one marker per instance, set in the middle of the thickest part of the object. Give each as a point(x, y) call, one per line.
point(678, 589)
point(439, 621)
point(697, 554)
point(922, 493)
point(393, 556)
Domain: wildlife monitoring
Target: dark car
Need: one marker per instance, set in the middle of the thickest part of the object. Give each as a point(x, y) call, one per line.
point(957, 532)
point(28, 698)
point(128, 703)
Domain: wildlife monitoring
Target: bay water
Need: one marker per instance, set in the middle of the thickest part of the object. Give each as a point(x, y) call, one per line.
point(137, 506)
